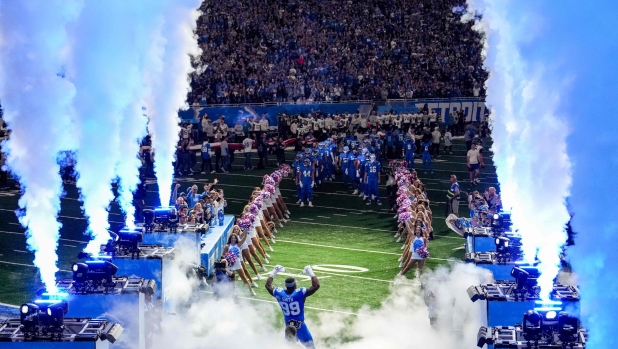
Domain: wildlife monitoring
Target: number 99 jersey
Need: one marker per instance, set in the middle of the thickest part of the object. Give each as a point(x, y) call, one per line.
point(292, 305)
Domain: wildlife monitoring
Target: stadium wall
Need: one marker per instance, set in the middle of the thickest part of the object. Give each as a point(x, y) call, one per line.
point(474, 108)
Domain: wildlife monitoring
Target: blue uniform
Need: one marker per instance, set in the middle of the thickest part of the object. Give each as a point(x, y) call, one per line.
point(352, 169)
point(318, 162)
point(344, 167)
point(293, 308)
point(399, 143)
point(410, 148)
point(426, 147)
point(379, 149)
point(296, 167)
point(372, 168)
point(327, 163)
point(361, 170)
point(389, 139)
point(305, 178)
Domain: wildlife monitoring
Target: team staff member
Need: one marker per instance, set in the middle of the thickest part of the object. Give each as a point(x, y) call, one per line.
point(452, 197)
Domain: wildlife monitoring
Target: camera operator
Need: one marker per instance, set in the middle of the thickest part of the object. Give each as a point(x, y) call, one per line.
point(222, 283)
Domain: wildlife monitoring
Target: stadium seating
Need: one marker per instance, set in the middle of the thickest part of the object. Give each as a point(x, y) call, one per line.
point(333, 50)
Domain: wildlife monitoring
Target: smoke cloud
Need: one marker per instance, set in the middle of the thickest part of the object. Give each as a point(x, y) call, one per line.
point(110, 40)
point(566, 51)
point(243, 322)
point(525, 92)
point(168, 76)
point(37, 107)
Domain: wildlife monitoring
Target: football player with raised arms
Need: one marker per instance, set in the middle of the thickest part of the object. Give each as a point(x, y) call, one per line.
point(291, 299)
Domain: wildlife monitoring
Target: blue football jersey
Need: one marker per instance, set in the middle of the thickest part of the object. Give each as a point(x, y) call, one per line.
point(344, 160)
point(351, 158)
point(372, 168)
point(306, 173)
point(426, 146)
point(292, 305)
point(410, 146)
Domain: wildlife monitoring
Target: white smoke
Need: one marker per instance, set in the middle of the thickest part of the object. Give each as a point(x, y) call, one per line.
point(529, 135)
point(168, 77)
point(402, 321)
point(110, 39)
point(37, 107)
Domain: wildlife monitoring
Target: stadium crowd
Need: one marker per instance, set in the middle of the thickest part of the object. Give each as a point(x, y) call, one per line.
point(395, 135)
point(332, 50)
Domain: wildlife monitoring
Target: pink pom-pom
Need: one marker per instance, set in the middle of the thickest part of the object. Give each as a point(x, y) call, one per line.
point(268, 180)
point(231, 258)
point(245, 224)
point(404, 216)
point(249, 216)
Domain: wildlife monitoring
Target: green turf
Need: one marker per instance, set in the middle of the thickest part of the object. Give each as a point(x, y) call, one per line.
point(347, 233)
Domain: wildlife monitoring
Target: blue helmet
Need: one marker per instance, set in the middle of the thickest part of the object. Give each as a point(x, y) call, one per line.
point(372, 157)
point(346, 149)
point(307, 150)
point(365, 151)
point(307, 162)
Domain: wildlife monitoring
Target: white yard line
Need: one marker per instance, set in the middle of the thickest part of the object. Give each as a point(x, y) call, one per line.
point(363, 278)
point(29, 265)
point(62, 239)
point(69, 217)
point(350, 249)
point(361, 228)
point(322, 217)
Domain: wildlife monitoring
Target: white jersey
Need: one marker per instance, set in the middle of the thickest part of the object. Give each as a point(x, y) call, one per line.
point(385, 119)
point(473, 155)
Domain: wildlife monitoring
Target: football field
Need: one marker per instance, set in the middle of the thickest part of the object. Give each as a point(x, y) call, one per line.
point(350, 245)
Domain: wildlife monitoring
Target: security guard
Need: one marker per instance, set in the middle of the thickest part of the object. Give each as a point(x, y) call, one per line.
point(452, 197)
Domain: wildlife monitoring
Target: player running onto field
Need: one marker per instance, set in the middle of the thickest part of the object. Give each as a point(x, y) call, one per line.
point(292, 302)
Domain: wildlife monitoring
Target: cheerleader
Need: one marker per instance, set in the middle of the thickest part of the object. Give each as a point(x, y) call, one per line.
point(278, 176)
point(254, 243)
point(274, 203)
point(256, 231)
point(410, 229)
point(266, 227)
point(419, 252)
point(269, 185)
point(246, 224)
point(232, 252)
point(269, 212)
